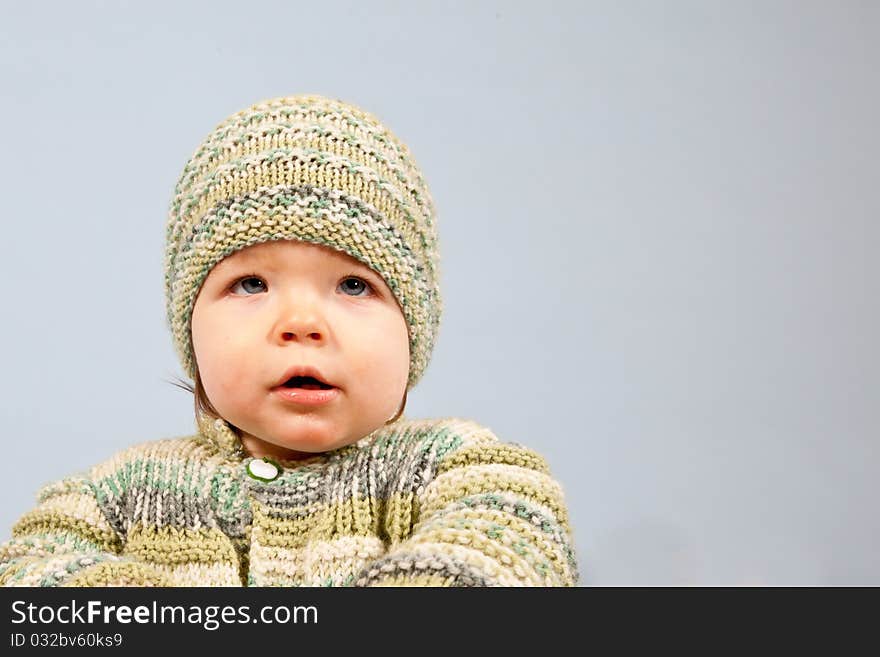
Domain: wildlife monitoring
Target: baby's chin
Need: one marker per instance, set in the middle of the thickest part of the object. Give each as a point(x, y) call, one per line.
point(297, 442)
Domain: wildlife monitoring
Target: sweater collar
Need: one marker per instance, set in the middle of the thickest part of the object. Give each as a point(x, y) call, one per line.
point(218, 433)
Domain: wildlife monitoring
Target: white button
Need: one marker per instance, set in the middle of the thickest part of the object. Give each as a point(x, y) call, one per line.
point(263, 469)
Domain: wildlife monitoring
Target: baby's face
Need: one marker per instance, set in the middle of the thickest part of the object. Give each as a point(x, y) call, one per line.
point(283, 303)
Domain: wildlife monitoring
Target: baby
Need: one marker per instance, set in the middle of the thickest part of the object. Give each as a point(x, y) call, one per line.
point(302, 289)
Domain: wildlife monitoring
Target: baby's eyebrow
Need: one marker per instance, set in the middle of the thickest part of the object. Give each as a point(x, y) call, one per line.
point(270, 263)
point(361, 267)
point(249, 260)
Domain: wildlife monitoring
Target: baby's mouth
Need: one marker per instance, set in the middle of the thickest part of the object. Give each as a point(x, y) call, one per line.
point(306, 383)
point(306, 391)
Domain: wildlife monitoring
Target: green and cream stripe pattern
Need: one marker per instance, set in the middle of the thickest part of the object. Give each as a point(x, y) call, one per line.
point(432, 502)
point(314, 169)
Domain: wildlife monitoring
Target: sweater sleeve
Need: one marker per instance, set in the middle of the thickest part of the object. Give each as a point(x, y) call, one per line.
point(466, 509)
point(71, 538)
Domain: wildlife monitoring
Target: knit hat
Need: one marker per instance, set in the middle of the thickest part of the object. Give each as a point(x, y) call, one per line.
point(314, 169)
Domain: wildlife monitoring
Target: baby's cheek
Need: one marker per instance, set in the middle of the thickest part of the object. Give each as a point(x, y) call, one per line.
point(390, 368)
point(219, 373)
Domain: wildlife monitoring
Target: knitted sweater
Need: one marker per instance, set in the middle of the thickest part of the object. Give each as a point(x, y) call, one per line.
point(433, 502)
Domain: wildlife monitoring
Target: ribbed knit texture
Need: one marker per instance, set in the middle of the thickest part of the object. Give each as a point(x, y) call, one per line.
point(436, 502)
point(314, 169)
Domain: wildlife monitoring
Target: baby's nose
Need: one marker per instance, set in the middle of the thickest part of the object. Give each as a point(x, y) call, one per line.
point(304, 335)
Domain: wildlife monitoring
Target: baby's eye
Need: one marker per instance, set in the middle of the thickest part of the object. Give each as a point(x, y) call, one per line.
point(362, 285)
point(244, 280)
point(359, 285)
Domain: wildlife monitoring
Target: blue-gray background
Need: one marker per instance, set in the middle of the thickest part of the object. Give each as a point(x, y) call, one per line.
point(658, 224)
